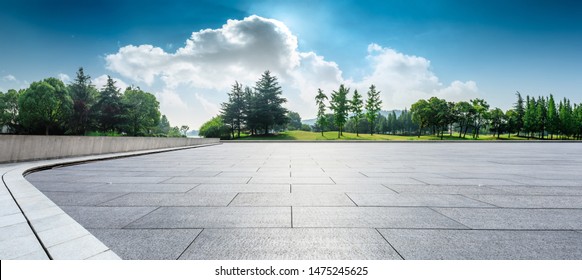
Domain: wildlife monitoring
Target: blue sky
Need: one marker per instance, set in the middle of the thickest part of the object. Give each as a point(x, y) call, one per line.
point(410, 49)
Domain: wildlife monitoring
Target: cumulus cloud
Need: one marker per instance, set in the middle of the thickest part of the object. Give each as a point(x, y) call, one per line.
point(403, 79)
point(212, 59)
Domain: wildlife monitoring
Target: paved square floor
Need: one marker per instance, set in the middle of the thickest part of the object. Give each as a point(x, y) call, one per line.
point(331, 201)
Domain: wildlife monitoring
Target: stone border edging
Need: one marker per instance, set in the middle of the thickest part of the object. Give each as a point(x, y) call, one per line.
point(36, 227)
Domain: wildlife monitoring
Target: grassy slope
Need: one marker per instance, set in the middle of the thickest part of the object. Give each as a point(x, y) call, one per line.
point(332, 135)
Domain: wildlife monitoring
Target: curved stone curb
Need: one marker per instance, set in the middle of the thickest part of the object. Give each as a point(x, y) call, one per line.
point(34, 227)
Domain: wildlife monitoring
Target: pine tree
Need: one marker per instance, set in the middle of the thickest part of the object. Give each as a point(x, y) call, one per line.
point(109, 110)
point(232, 112)
point(251, 110)
point(520, 112)
point(84, 95)
point(553, 119)
point(373, 106)
point(340, 107)
point(271, 110)
point(321, 118)
point(529, 118)
point(356, 107)
point(541, 116)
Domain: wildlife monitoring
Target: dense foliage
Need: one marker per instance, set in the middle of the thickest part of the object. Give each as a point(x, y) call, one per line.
point(51, 107)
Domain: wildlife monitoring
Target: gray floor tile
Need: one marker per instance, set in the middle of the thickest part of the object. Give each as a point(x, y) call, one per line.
point(106, 217)
point(289, 244)
point(144, 188)
point(484, 244)
point(215, 217)
point(504, 218)
point(208, 180)
point(435, 200)
point(371, 217)
point(434, 189)
point(292, 199)
point(352, 188)
point(531, 201)
point(240, 188)
point(80, 198)
point(172, 199)
point(121, 180)
point(147, 244)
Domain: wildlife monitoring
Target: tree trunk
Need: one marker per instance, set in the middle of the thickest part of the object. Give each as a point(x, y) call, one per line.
point(46, 130)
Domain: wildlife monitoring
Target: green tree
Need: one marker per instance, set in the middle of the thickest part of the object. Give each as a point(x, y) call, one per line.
point(520, 111)
point(164, 125)
point(567, 120)
point(438, 111)
point(251, 110)
point(271, 110)
point(356, 107)
point(214, 128)
point(373, 107)
point(84, 95)
point(578, 120)
point(294, 121)
point(541, 116)
point(9, 110)
point(511, 118)
point(184, 130)
point(232, 112)
point(109, 110)
point(529, 118)
point(142, 111)
point(553, 124)
point(45, 105)
point(464, 113)
point(497, 121)
point(421, 114)
point(340, 107)
point(481, 110)
point(320, 99)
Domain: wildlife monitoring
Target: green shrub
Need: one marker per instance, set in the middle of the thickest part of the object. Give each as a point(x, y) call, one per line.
point(215, 128)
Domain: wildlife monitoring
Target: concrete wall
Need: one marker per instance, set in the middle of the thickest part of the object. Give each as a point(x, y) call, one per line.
point(15, 148)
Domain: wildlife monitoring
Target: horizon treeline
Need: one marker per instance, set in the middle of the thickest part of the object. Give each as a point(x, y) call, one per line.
point(540, 118)
point(50, 107)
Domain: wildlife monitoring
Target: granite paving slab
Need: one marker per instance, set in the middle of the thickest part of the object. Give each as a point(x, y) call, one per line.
point(291, 199)
point(371, 217)
point(172, 199)
point(408, 199)
point(423, 244)
point(215, 217)
point(147, 244)
point(106, 217)
point(507, 218)
point(531, 201)
point(289, 244)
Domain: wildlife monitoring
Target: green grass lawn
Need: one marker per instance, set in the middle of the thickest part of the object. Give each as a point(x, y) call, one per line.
point(332, 135)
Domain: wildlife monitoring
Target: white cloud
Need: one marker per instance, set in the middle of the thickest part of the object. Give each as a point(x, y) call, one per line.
point(403, 79)
point(101, 81)
point(9, 78)
point(64, 78)
point(212, 59)
point(208, 106)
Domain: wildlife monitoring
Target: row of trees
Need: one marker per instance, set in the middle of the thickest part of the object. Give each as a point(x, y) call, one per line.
point(257, 109)
point(51, 107)
point(532, 117)
point(342, 107)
